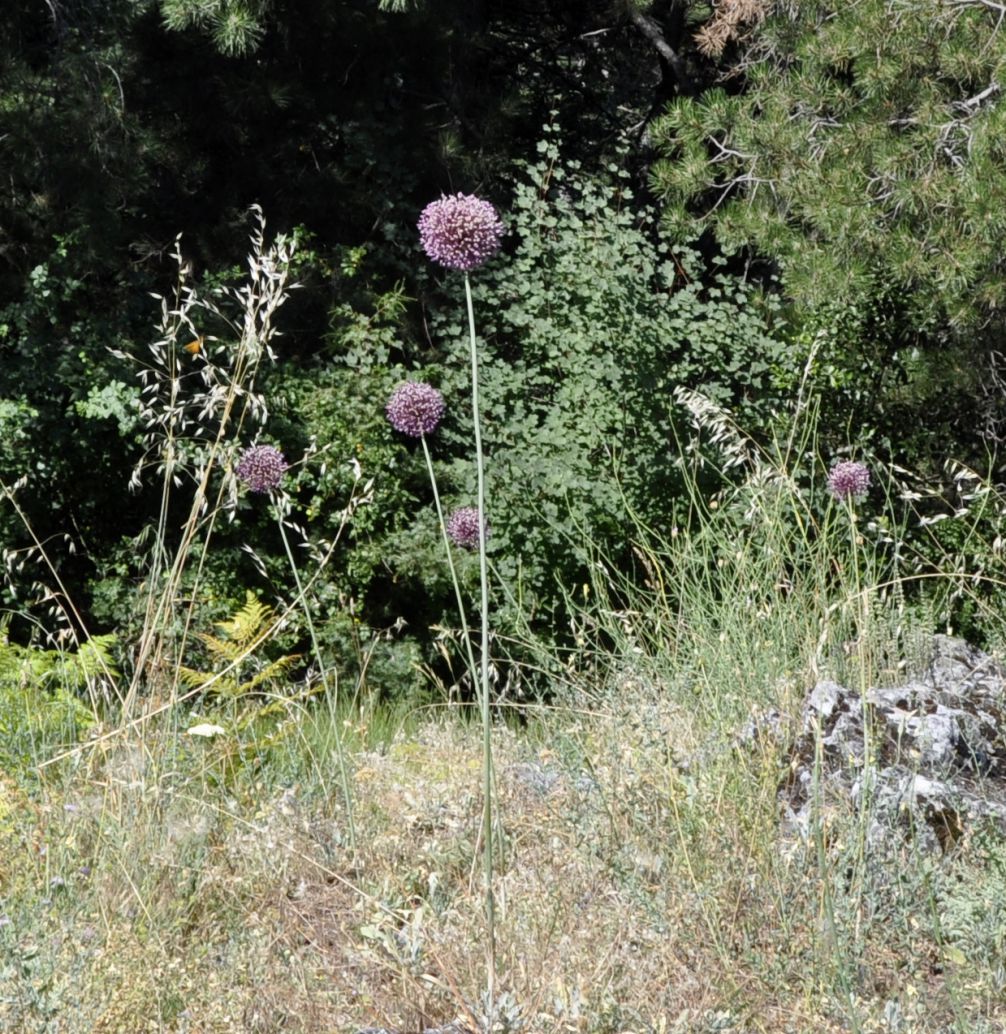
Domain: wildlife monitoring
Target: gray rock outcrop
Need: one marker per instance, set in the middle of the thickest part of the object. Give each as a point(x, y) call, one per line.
point(927, 758)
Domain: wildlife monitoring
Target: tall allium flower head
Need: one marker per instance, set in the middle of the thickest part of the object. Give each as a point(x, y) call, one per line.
point(415, 408)
point(460, 232)
point(261, 468)
point(463, 527)
point(848, 480)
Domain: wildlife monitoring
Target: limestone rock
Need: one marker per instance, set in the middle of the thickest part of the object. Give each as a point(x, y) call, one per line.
point(936, 746)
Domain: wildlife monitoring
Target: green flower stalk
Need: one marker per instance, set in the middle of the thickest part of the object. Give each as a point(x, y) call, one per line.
point(461, 233)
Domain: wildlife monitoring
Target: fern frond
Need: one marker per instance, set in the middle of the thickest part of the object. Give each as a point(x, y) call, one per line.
point(95, 657)
point(270, 671)
point(249, 622)
point(192, 678)
point(221, 649)
point(12, 659)
point(234, 648)
point(222, 686)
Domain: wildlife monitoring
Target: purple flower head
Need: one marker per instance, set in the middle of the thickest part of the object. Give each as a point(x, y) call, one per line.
point(415, 408)
point(463, 527)
point(460, 232)
point(848, 480)
point(261, 468)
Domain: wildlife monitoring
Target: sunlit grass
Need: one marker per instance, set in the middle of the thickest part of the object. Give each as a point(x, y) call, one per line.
point(154, 879)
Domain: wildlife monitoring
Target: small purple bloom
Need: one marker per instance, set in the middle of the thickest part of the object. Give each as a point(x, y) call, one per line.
point(460, 232)
point(415, 408)
point(463, 527)
point(261, 468)
point(848, 480)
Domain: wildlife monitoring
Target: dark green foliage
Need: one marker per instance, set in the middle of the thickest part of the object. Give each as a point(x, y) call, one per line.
point(871, 134)
point(128, 122)
point(863, 151)
point(587, 325)
point(858, 148)
point(69, 416)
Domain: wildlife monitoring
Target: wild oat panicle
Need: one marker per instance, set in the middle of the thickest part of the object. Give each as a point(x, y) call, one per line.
point(261, 468)
point(460, 231)
point(415, 408)
point(463, 527)
point(848, 480)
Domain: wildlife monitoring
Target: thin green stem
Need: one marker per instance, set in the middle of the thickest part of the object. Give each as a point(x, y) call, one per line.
point(487, 750)
point(473, 668)
point(340, 751)
point(864, 638)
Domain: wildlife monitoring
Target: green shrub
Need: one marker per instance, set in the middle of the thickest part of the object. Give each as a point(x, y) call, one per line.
point(972, 913)
point(587, 326)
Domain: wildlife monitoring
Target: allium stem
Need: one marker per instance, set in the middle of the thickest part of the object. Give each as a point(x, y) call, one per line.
point(487, 749)
point(473, 668)
point(343, 773)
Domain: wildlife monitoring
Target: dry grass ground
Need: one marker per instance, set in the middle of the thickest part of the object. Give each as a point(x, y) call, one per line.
point(642, 887)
